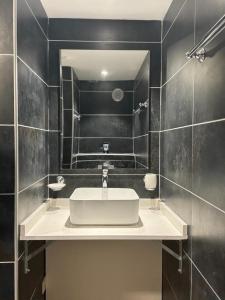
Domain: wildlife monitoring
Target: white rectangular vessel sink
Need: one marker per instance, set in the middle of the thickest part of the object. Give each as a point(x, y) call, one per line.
point(104, 206)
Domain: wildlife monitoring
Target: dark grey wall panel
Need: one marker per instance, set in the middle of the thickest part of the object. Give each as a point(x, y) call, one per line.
point(102, 103)
point(104, 30)
point(31, 198)
point(32, 156)
point(141, 149)
point(31, 42)
point(154, 118)
point(6, 27)
point(54, 106)
point(154, 152)
point(40, 14)
point(7, 211)
point(32, 99)
point(7, 160)
point(7, 281)
point(176, 156)
point(54, 150)
point(178, 41)
point(177, 99)
point(6, 89)
point(106, 126)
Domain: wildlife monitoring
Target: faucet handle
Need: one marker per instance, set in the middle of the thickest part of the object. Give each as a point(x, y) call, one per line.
point(105, 172)
point(60, 179)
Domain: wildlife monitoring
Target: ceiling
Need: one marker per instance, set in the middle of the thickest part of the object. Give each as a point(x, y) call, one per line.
point(90, 64)
point(107, 9)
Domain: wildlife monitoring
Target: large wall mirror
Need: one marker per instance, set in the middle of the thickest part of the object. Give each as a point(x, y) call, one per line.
point(105, 109)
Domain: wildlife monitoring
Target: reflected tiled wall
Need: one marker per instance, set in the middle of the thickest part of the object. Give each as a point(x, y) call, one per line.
point(192, 149)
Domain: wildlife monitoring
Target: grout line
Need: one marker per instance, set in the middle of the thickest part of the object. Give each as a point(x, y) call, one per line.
point(200, 273)
point(107, 115)
point(32, 184)
point(100, 137)
point(171, 287)
point(95, 91)
point(7, 262)
point(140, 136)
point(6, 54)
point(89, 41)
point(31, 70)
point(178, 71)
point(7, 125)
point(214, 206)
point(7, 194)
point(36, 19)
point(35, 128)
point(174, 20)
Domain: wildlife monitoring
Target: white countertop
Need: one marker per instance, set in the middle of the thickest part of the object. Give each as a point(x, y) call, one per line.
point(51, 222)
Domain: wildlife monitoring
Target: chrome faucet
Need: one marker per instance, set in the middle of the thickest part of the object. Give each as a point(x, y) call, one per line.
point(105, 178)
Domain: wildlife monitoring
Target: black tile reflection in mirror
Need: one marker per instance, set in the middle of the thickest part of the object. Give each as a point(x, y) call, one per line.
point(7, 281)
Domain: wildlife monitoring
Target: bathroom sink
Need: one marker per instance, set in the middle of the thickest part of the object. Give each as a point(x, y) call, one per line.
point(56, 187)
point(104, 206)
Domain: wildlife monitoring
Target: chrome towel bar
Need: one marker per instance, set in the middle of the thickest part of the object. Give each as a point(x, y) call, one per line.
point(199, 51)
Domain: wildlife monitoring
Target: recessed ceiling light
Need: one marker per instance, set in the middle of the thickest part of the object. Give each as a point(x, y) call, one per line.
point(104, 73)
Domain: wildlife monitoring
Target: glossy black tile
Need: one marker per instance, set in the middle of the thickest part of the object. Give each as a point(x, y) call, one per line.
point(141, 122)
point(208, 248)
point(40, 14)
point(6, 89)
point(76, 97)
point(106, 126)
point(180, 201)
point(178, 41)
point(67, 94)
point(31, 42)
point(31, 198)
point(7, 281)
point(207, 14)
point(176, 156)
point(154, 152)
point(94, 145)
point(32, 156)
point(32, 98)
point(6, 27)
point(102, 103)
point(208, 162)
point(209, 83)
point(104, 30)
point(177, 99)
point(7, 160)
point(200, 289)
point(54, 106)
point(180, 283)
point(141, 149)
point(7, 210)
point(154, 96)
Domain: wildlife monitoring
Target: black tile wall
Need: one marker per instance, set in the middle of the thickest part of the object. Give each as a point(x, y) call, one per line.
point(177, 99)
point(192, 150)
point(106, 126)
point(126, 85)
point(6, 27)
point(176, 156)
point(32, 156)
point(7, 281)
point(32, 99)
point(54, 150)
point(54, 106)
point(31, 198)
point(154, 118)
point(31, 42)
point(6, 89)
point(7, 211)
point(141, 150)
point(178, 41)
point(102, 103)
point(104, 30)
point(40, 14)
point(7, 160)
point(154, 152)
point(67, 94)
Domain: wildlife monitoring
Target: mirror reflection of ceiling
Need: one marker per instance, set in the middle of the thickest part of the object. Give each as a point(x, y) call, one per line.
point(107, 9)
point(104, 64)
